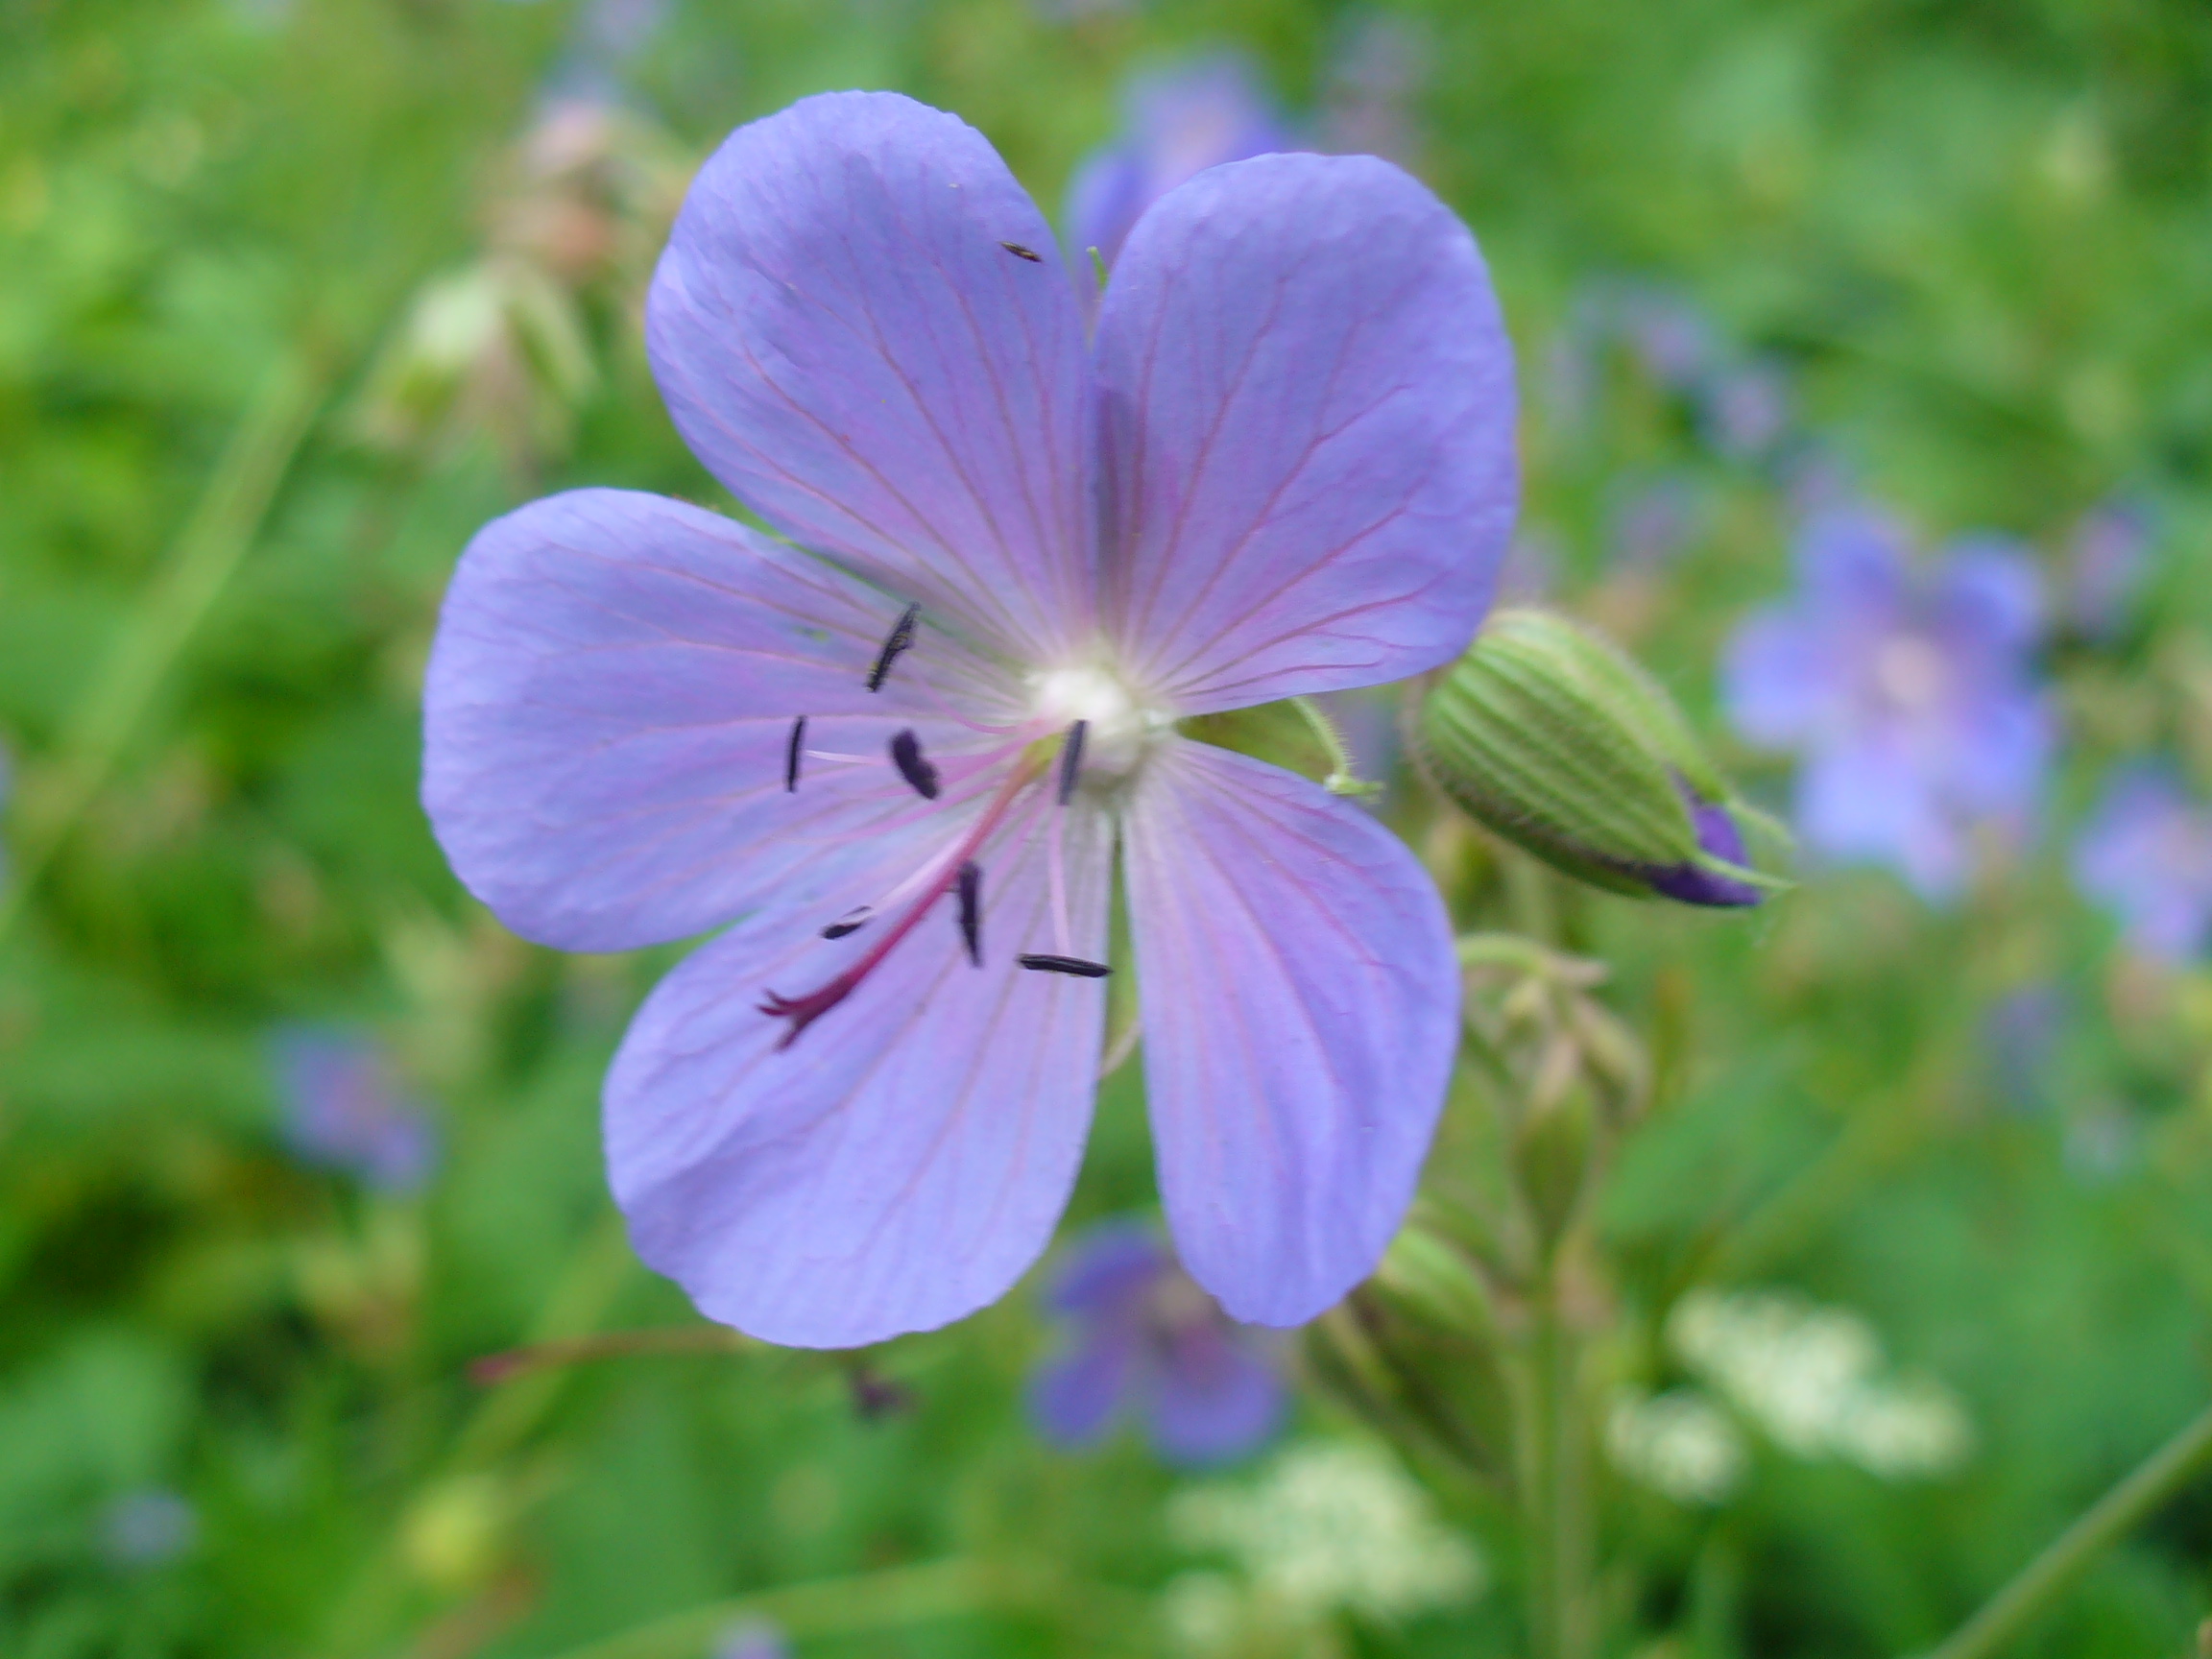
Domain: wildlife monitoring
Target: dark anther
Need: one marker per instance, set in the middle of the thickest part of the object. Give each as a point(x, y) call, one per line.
point(902, 636)
point(970, 894)
point(852, 922)
point(1074, 965)
point(1071, 760)
point(1020, 253)
point(791, 753)
point(906, 756)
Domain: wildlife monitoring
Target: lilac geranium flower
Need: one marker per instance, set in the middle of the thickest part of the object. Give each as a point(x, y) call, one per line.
point(2146, 856)
point(1912, 695)
point(344, 1111)
point(2108, 559)
point(1140, 1337)
point(897, 757)
point(1176, 123)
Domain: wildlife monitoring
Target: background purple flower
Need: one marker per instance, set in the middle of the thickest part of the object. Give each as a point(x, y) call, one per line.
point(1139, 1338)
point(343, 1111)
point(1175, 124)
point(148, 1527)
point(1911, 695)
point(2145, 855)
point(896, 754)
point(2108, 557)
point(752, 1639)
point(1376, 71)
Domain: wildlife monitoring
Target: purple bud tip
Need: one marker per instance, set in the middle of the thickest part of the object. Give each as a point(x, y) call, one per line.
point(1717, 835)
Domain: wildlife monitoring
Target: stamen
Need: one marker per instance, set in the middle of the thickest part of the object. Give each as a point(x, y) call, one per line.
point(902, 636)
point(971, 891)
point(1071, 760)
point(803, 1010)
point(792, 750)
point(906, 756)
point(1074, 965)
point(852, 922)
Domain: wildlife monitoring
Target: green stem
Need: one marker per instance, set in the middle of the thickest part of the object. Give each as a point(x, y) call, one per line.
point(1343, 779)
point(1553, 1474)
point(2111, 1517)
point(200, 565)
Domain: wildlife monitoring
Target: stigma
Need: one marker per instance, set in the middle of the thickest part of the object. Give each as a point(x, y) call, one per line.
point(1114, 726)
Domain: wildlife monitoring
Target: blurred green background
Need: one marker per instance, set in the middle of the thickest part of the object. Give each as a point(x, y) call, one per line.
point(295, 294)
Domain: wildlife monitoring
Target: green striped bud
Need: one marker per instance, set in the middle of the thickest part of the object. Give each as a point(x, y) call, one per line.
point(1558, 741)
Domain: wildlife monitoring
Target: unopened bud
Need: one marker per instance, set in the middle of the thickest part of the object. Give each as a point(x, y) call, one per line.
point(1557, 741)
point(1432, 1279)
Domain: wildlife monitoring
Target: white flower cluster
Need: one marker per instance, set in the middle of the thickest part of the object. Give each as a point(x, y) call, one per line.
point(1677, 1443)
point(1814, 1379)
point(1327, 1525)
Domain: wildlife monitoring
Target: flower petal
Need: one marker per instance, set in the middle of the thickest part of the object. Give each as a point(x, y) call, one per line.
point(904, 1161)
point(1300, 1001)
point(608, 712)
point(1076, 1398)
point(1307, 429)
point(848, 341)
point(1218, 1396)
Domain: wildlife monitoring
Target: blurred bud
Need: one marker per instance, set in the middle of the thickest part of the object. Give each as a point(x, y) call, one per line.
point(1430, 1278)
point(1553, 1146)
point(497, 347)
point(1557, 741)
point(453, 1536)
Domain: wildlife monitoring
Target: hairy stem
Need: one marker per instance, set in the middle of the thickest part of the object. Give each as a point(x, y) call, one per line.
point(2111, 1517)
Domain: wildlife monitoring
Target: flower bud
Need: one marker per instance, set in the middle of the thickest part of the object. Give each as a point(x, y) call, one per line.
point(1557, 740)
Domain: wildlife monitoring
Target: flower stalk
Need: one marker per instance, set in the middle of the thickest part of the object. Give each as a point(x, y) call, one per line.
point(2009, 1613)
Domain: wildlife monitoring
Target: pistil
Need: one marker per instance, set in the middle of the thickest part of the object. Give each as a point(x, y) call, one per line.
point(803, 1011)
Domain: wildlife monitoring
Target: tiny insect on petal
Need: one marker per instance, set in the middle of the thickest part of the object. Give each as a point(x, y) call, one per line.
point(1020, 253)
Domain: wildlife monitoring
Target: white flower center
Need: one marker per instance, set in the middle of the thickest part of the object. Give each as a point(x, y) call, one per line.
point(1118, 728)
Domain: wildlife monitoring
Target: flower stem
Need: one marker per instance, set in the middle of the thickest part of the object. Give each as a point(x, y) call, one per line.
point(208, 552)
point(1343, 778)
point(1553, 1478)
point(2119, 1512)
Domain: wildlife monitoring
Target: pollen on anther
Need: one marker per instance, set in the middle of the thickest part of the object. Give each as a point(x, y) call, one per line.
point(902, 636)
point(970, 897)
point(1071, 760)
point(792, 751)
point(1044, 963)
point(906, 755)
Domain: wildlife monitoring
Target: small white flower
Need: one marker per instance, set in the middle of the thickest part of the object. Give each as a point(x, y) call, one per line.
point(1332, 1524)
point(1678, 1443)
point(1813, 1378)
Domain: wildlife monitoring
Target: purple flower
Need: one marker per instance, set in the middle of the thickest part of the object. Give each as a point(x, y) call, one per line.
point(752, 1639)
point(2146, 856)
point(1747, 409)
point(898, 757)
point(343, 1111)
point(1655, 519)
point(2108, 559)
point(1912, 695)
point(1142, 1338)
point(1176, 123)
point(149, 1526)
point(1376, 68)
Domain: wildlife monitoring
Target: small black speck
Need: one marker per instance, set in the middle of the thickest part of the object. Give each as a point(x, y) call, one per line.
point(1020, 253)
